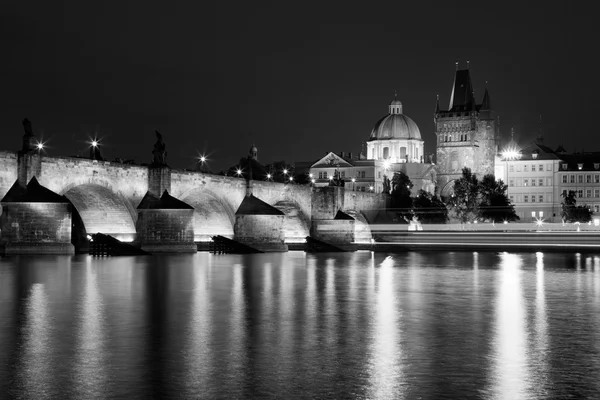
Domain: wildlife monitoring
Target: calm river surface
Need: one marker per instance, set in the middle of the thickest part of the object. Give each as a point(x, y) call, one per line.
point(294, 325)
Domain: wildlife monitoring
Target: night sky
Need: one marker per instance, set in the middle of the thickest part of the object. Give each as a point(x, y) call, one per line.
point(297, 78)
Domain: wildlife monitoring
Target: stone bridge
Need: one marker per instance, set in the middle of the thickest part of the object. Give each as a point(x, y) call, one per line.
point(105, 195)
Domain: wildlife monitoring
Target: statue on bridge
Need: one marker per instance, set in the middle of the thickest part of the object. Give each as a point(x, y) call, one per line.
point(29, 142)
point(160, 151)
point(337, 180)
point(387, 186)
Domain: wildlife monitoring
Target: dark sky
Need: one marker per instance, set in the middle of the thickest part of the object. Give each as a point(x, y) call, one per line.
point(296, 78)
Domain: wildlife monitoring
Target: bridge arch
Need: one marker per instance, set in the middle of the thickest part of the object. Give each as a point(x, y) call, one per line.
point(448, 189)
point(101, 209)
point(213, 214)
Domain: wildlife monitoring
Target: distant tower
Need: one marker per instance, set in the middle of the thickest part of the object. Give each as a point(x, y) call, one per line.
point(253, 153)
point(466, 133)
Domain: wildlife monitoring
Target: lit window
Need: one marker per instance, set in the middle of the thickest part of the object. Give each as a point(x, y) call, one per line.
point(596, 166)
point(579, 165)
point(525, 182)
point(541, 214)
point(533, 214)
point(541, 182)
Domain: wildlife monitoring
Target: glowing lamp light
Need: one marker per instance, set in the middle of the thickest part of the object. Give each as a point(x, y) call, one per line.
point(511, 154)
point(371, 188)
point(40, 146)
point(386, 164)
point(291, 178)
point(353, 180)
point(202, 158)
point(312, 180)
point(239, 172)
point(330, 177)
point(94, 143)
point(285, 171)
point(310, 175)
point(268, 176)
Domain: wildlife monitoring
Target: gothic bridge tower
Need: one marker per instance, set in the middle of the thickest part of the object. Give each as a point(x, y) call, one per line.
point(466, 133)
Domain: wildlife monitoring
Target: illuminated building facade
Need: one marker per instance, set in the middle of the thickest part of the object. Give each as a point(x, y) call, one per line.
point(394, 145)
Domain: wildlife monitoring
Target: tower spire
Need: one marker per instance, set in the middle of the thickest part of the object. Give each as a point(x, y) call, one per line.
point(437, 104)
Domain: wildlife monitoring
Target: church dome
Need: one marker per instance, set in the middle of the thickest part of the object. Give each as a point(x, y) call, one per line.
point(395, 125)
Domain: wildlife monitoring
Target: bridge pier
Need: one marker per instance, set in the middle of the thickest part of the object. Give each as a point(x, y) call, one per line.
point(259, 225)
point(35, 220)
point(329, 223)
point(165, 225)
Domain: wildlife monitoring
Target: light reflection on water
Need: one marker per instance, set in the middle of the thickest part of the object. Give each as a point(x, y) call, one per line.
point(361, 325)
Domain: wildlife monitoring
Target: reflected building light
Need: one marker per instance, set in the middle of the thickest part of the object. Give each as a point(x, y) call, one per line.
point(510, 376)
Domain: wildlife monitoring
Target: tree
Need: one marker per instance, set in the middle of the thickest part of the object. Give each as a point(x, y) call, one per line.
point(571, 212)
point(400, 196)
point(494, 204)
point(465, 200)
point(429, 209)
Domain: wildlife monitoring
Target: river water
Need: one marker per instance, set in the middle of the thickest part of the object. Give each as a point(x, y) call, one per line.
point(366, 325)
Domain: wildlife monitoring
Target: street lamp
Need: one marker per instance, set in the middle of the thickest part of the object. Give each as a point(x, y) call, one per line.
point(354, 184)
point(239, 172)
point(269, 177)
point(371, 188)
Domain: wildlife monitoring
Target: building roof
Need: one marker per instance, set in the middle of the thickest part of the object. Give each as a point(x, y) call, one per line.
point(32, 193)
point(165, 202)
point(462, 98)
point(587, 161)
point(254, 206)
point(395, 126)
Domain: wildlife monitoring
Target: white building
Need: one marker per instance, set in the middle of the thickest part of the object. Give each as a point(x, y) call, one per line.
point(394, 145)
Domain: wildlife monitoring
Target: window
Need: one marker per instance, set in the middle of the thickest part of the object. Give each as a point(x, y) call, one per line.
point(511, 168)
point(579, 178)
point(596, 178)
point(541, 214)
point(362, 174)
point(588, 179)
point(379, 174)
point(343, 174)
point(564, 179)
point(533, 168)
point(564, 166)
point(571, 178)
point(588, 193)
point(596, 192)
point(320, 175)
point(548, 181)
point(548, 167)
point(511, 182)
point(325, 175)
point(541, 198)
point(519, 168)
point(541, 182)
point(525, 198)
point(579, 192)
point(386, 153)
point(596, 165)
point(525, 168)
point(533, 182)
point(541, 167)
point(533, 214)
point(511, 198)
point(525, 182)
point(596, 208)
point(533, 198)
point(579, 166)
